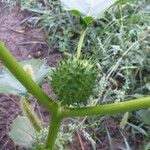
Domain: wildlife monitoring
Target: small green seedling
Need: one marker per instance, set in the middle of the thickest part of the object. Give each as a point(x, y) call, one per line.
point(73, 82)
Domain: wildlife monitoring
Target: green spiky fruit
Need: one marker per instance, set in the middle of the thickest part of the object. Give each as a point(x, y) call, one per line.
point(73, 81)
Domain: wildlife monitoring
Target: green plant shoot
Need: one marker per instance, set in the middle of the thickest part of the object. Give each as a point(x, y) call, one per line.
point(73, 81)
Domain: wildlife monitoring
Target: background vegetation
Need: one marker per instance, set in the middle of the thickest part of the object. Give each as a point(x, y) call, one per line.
point(120, 42)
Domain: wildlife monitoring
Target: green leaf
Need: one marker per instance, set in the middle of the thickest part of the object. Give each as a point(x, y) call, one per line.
point(22, 132)
point(10, 85)
point(124, 120)
point(126, 142)
point(40, 149)
point(83, 23)
point(122, 1)
point(75, 13)
point(138, 129)
point(88, 20)
point(40, 69)
point(110, 139)
point(144, 116)
point(148, 86)
point(147, 147)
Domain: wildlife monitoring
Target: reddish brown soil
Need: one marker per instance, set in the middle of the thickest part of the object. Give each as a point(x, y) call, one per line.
point(25, 43)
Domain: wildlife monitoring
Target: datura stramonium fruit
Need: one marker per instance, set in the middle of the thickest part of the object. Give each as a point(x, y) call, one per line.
point(73, 81)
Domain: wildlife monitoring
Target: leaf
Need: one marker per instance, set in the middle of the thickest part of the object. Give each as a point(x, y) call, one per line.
point(124, 120)
point(75, 13)
point(126, 142)
point(144, 116)
point(40, 69)
point(110, 139)
point(88, 20)
point(88, 8)
point(147, 147)
point(122, 1)
point(10, 85)
point(138, 128)
point(148, 86)
point(41, 149)
point(22, 132)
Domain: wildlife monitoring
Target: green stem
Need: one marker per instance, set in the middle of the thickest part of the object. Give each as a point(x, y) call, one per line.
point(55, 124)
point(82, 36)
point(108, 109)
point(15, 68)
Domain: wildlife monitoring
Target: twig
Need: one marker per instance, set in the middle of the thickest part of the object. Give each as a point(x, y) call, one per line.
point(5, 144)
point(80, 140)
point(6, 114)
point(3, 136)
point(24, 20)
point(39, 113)
point(12, 29)
point(31, 42)
point(12, 100)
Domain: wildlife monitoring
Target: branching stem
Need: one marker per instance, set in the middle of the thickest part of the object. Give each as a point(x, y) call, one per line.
point(25, 79)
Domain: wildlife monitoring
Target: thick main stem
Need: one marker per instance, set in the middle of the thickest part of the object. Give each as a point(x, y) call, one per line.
point(55, 124)
point(108, 109)
point(80, 44)
point(16, 69)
